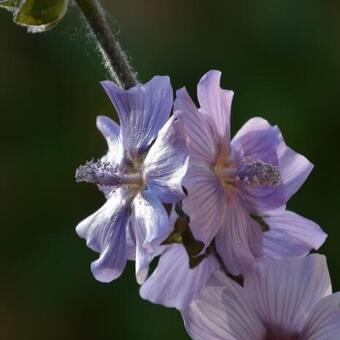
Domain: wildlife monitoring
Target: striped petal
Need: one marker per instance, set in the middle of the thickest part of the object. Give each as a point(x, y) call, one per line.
point(167, 162)
point(111, 132)
point(239, 241)
point(151, 226)
point(215, 102)
point(201, 137)
point(205, 203)
point(222, 312)
point(284, 291)
point(323, 321)
point(294, 168)
point(105, 233)
point(258, 140)
point(290, 235)
point(173, 283)
point(142, 111)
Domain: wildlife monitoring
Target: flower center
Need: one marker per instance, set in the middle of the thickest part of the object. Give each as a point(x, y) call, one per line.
point(279, 334)
point(250, 172)
point(224, 169)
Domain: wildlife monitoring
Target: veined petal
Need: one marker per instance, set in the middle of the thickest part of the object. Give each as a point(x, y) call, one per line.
point(202, 140)
point(111, 132)
point(167, 162)
point(205, 203)
point(215, 102)
point(105, 233)
point(130, 243)
point(151, 226)
point(258, 140)
point(323, 321)
point(294, 169)
point(222, 312)
point(173, 283)
point(290, 235)
point(284, 291)
point(239, 241)
point(142, 111)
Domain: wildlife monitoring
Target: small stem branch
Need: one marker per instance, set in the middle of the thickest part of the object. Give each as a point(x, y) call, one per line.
point(115, 59)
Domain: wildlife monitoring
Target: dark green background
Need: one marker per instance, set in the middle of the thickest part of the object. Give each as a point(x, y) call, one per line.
point(282, 58)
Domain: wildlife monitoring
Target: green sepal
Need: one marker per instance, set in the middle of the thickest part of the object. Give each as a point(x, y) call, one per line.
point(40, 15)
point(194, 261)
point(176, 235)
point(192, 246)
point(183, 235)
point(264, 226)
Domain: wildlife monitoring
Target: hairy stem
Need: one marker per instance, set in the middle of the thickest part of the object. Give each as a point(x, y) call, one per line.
point(114, 58)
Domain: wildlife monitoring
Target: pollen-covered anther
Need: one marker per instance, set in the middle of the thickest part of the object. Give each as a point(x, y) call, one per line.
point(257, 172)
point(97, 172)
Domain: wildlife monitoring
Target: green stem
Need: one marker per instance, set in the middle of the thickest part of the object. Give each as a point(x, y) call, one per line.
point(114, 58)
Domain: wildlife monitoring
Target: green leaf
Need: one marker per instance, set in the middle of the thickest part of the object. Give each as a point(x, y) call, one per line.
point(40, 15)
point(10, 5)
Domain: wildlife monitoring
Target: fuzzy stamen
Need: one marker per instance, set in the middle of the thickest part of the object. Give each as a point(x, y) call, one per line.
point(258, 172)
point(103, 173)
point(97, 172)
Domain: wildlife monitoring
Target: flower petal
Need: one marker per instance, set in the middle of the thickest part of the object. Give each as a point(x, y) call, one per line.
point(205, 203)
point(222, 311)
point(215, 102)
point(173, 283)
point(105, 233)
point(142, 111)
point(151, 226)
point(239, 241)
point(294, 169)
point(323, 321)
point(111, 132)
point(201, 137)
point(130, 244)
point(167, 162)
point(290, 235)
point(258, 140)
point(286, 290)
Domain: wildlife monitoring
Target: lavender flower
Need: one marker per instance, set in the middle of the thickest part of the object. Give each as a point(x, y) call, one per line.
point(231, 186)
point(287, 299)
point(137, 174)
point(237, 190)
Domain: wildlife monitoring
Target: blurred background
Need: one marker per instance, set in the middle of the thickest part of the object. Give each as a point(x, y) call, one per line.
point(282, 59)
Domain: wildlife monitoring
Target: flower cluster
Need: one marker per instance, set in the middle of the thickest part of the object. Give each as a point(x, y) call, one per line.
point(232, 259)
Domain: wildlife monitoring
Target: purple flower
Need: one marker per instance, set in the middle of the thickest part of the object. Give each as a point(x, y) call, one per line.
point(287, 299)
point(144, 166)
point(238, 189)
